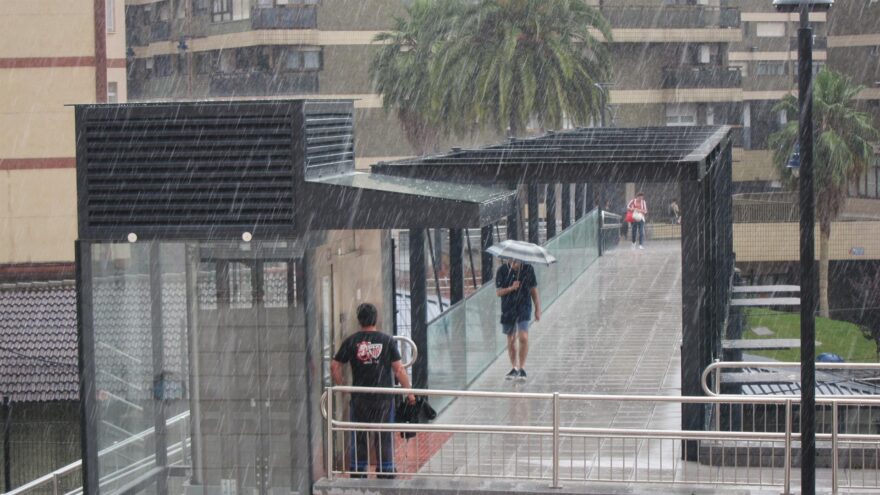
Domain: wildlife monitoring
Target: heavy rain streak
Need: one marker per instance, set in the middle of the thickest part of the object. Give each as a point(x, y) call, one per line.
point(277, 247)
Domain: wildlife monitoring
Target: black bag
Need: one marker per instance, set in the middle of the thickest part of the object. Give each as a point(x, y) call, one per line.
point(420, 412)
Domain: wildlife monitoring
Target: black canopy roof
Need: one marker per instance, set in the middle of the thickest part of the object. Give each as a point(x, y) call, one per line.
point(655, 154)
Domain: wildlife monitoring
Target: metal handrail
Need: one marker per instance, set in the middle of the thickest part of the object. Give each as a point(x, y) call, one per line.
point(718, 366)
point(613, 216)
point(556, 430)
point(412, 345)
point(74, 466)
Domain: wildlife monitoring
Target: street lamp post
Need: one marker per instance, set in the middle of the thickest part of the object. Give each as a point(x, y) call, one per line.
point(807, 236)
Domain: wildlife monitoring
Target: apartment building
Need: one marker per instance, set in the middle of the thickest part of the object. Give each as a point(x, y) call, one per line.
point(53, 53)
point(854, 48)
point(677, 62)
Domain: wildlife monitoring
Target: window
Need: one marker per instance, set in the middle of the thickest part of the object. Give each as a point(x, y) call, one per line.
point(163, 66)
point(204, 62)
point(770, 29)
point(164, 11)
point(112, 92)
point(817, 67)
point(681, 114)
point(302, 60)
point(770, 68)
point(312, 60)
point(110, 10)
point(201, 7)
point(230, 10)
point(743, 68)
point(180, 12)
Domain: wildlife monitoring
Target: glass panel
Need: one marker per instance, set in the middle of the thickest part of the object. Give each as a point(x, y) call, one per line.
point(464, 340)
point(241, 290)
point(123, 351)
point(275, 284)
point(230, 367)
point(207, 285)
point(417, 187)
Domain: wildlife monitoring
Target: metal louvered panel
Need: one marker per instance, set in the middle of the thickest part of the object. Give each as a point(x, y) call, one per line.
point(195, 170)
point(329, 139)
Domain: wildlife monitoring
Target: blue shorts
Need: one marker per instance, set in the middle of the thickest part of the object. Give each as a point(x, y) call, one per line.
point(508, 328)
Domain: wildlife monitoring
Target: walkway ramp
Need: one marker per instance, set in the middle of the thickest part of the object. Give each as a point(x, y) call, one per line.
point(616, 330)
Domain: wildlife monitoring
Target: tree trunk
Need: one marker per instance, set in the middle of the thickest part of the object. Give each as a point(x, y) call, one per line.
point(824, 235)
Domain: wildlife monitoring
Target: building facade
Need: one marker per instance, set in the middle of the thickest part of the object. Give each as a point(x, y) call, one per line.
point(54, 53)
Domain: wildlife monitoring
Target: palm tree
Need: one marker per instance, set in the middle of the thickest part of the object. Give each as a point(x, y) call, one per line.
point(842, 153)
point(505, 62)
point(401, 68)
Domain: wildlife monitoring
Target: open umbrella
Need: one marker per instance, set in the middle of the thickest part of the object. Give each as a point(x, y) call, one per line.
point(522, 251)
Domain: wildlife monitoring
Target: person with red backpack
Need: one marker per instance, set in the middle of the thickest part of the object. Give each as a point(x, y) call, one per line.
point(636, 211)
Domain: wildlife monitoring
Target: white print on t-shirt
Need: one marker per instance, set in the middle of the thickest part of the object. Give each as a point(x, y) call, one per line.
point(367, 352)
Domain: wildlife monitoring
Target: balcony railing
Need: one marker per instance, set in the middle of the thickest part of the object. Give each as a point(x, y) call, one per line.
point(671, 17)
point(298, 17)
point(702, 77)
point(251, 83)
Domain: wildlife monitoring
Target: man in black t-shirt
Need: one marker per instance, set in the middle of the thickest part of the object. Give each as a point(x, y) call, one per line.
point(517, 287)
point(373, 357)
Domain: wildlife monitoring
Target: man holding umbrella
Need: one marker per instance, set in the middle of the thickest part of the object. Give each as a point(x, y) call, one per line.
point(517, 287)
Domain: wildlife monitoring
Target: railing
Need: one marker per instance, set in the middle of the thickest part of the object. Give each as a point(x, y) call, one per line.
point(558, 449)
point(702, 77)
point(256, 83)
point(177, 452)
point(467, 337)
point(285, 17)
point(671, 16)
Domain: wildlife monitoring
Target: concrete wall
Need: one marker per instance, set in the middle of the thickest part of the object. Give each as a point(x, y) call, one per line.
point(779, 241)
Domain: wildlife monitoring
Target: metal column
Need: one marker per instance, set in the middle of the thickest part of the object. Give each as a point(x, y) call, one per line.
point(418, 293)
point(809, 284)
point(551, 210)
point(486, 261)
point(158, 348)
point(88, 406)
point(692, 318)
point(533, 213)
point(566, 205)
point(456, 266)
point(580, 199)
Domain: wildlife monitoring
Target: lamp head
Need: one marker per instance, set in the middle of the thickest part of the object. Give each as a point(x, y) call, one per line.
point(797, 5)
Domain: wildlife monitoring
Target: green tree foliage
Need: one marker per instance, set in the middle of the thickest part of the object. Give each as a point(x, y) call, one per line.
point(842, 152)
point(457, 66)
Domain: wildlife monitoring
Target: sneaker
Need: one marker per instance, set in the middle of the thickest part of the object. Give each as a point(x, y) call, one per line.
point(641, 247)
point(522, 375)
point(513, 374)
point(634, 245)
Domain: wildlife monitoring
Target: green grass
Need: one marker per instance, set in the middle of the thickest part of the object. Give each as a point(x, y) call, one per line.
point(838, 337)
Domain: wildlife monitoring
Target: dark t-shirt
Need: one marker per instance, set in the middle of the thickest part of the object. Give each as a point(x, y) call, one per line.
point(370, 354)
point(516, 306)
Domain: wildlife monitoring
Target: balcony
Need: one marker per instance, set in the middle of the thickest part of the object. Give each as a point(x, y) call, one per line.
point(671, 17)
point(295, 17)
point(691, 77)
point(249, 83)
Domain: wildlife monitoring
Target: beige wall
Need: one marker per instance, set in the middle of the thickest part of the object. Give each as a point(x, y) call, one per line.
point(37, 215)
point(753, 165)
point(49, 49)
point(34, 121)
point(779, 241)
point(353, 260)
point(47, 28)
